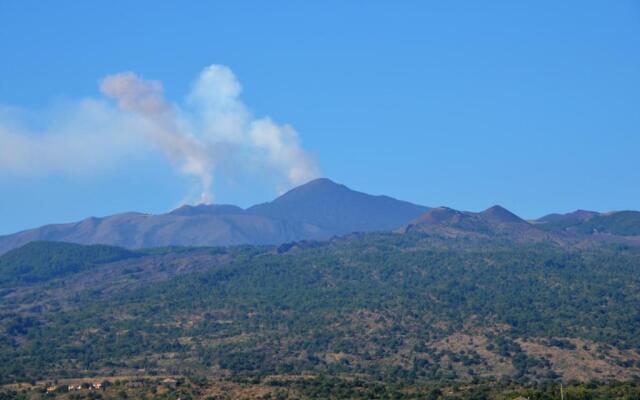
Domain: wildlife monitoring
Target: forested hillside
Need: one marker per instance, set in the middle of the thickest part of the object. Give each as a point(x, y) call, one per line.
point(41, 261)
point(404, 308)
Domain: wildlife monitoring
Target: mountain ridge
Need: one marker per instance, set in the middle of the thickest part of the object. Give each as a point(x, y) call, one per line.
point(617, 223)
point(495, 221)
point(319, 210)
point(316, 210)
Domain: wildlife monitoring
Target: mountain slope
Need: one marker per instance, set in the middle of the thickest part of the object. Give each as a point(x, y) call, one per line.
point(338, 209)
point(381, 306)
point(495, 221)
point(620, 223)
point(133, 230)
point(316, 210)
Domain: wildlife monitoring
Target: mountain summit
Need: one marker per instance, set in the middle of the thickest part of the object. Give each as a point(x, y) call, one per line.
point(500, 215)
point(338, 209)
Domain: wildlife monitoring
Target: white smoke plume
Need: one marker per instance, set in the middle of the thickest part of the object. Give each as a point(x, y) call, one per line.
point(213, 133)
point(224, 119)
point(145, 99)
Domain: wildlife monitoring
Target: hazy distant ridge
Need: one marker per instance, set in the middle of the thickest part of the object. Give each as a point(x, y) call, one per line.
point(319, 210)
point(316, 210)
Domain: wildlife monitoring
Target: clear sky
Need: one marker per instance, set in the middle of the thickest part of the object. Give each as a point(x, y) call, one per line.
point(532, 105)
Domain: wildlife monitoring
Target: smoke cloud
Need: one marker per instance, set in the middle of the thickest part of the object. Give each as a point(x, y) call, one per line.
point(145, 99)
point(213, 132)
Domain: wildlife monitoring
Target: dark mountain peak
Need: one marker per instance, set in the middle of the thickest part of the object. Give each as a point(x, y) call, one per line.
point(499, 214)
point(206, 209)
point(321, 182)
point(337, 208)
point(496, 209)
point(320, 187)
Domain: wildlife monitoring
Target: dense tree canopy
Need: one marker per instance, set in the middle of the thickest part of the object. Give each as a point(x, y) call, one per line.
point(386, 306)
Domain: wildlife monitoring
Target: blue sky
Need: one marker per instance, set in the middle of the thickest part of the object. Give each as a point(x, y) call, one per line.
point(531, 105)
